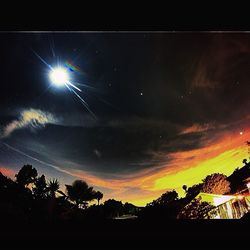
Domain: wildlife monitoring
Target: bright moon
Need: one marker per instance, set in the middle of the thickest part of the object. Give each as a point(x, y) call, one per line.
point(59, 76)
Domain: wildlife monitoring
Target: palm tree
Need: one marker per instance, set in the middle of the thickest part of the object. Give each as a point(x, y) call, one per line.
point(98, 196)
point(79, 192)
point(53, 187)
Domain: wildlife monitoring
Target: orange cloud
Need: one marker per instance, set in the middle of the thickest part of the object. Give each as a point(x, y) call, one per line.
point(7, 171)
point(187, 167)
point(222, 154)
point(195, 128)
point(196, 164)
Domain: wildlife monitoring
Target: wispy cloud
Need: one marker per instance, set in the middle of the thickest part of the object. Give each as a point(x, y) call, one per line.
point(33, 118)
point(196, 128)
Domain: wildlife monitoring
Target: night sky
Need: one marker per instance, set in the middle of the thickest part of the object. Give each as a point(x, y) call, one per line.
point(170, 108)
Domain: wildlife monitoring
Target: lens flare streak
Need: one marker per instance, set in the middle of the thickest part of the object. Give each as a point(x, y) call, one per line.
point(72, 85)
point(84, 103)
point(39, 57)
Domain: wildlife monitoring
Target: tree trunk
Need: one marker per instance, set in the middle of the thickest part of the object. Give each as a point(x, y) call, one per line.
point(51, 207)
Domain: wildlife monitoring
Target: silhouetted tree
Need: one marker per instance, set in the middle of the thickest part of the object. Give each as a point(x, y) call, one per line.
point(168, 197)
point(130, 208)
point(7, 188)
point(26, 175)
point(184, 187)
point(167, 206)
point(237, 178)
point(113, 208)
point(193, 191)
point(244, 161)
point(165, 198)
point(98, 196)
point(40, 188)
point(53, 187)
point(15, 199)
point(79, 192)
point(216, 184)
point(197, 209)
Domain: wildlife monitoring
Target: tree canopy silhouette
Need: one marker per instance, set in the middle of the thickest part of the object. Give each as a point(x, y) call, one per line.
point(79, 192)
point(40, 188)
point(113, 208)
point(237, 178)
point(98, 196)
point(197, 209)
point(216, 184)
point(166, 198)
point(193, 191)
point(26, 175)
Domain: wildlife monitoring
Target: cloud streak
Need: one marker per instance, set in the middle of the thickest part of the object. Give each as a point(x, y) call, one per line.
point(32, 118)
point(197, 128)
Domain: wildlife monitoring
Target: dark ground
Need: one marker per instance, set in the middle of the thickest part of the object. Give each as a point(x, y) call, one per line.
point(127, 234)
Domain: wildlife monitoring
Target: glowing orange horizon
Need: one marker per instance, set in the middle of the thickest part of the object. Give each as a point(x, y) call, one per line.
point(222, 155)
point(187, 167)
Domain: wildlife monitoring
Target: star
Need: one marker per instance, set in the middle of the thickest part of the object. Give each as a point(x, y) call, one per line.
point(141, 94)
point(241, 133)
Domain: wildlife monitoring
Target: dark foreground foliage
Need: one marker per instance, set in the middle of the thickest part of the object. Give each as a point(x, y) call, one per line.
point(34, 208)
point(35, 213)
